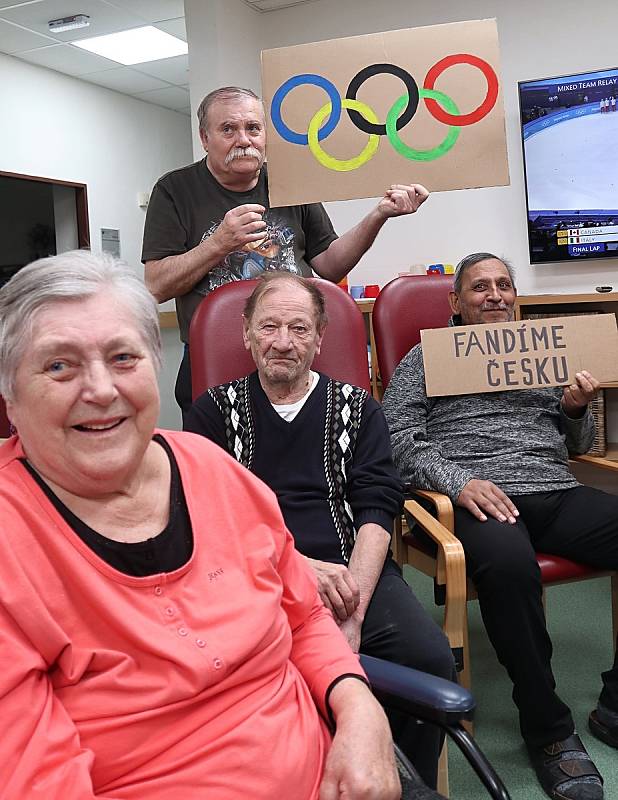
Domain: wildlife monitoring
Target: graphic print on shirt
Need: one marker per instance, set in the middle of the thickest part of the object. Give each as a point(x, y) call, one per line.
point(274, 252)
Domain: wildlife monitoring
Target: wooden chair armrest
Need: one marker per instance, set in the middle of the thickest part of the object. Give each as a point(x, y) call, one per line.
point(443, 505)
point(450, 570)
point(448, 544)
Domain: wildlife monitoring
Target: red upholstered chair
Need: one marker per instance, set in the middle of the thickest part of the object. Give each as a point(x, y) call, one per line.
point(405, 307)
point(218, 353)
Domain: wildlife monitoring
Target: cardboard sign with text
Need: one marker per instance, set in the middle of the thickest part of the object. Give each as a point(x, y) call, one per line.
point(346, 118)
point(501, 356)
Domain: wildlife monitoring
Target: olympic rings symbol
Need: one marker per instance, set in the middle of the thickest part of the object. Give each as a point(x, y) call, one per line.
point(440, 106)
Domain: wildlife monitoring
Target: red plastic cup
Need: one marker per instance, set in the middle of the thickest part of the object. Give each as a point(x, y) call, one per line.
point(372, 290)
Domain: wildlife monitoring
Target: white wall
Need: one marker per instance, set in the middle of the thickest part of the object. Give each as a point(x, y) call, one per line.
point(60, 127)
point(224, 38)
point(537, 40)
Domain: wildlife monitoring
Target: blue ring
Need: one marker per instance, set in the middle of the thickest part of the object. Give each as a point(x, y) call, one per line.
point(298, 80)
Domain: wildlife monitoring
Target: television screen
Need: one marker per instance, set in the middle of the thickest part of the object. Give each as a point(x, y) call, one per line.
point(570, 141)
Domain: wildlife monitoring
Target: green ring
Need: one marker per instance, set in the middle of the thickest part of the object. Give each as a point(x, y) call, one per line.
point(422, 155)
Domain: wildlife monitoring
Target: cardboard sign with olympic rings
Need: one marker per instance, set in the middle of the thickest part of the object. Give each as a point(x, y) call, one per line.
point(347, 118)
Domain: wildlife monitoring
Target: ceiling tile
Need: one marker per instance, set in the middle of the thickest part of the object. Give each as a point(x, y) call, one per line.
point(173, 70)
point(24, 34)
point(125, 79)
point(103, 18)
point(151, 10)
point(175, 27)
point(13, 38)
point(174, 97)
point(68, 59)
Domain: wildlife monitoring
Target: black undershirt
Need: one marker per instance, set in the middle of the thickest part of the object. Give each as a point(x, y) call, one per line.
point(164, 552)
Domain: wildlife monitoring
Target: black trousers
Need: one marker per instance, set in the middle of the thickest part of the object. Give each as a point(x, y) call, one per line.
point(580, 524)
point(397, 628)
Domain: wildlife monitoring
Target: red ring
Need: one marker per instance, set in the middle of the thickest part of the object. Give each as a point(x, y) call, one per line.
point(436, 110)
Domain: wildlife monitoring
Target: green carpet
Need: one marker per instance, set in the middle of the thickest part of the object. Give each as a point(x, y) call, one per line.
point(579, 622)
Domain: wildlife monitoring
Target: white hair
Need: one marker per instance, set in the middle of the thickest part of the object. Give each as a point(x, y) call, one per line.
point(71, 276)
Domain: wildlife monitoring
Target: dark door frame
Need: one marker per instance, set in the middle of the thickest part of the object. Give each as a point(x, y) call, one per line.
point(81, 202)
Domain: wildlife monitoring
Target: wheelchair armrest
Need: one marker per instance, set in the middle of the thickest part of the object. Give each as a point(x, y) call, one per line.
point(435, 700)
point(419, 694)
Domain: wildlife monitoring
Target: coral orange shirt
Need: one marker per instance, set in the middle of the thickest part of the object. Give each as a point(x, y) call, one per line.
point(207, 682)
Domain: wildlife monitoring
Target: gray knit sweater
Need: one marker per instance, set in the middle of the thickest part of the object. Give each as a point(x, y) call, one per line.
point(520, 440)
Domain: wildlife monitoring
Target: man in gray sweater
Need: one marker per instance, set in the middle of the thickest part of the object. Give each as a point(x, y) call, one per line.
point(503, 460)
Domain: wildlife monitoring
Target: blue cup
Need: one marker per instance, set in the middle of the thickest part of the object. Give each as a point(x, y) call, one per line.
point(357, 292)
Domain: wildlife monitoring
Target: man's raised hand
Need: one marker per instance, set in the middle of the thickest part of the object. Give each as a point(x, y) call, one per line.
point(402, 199)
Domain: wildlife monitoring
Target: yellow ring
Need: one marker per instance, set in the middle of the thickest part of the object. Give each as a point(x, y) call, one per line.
point(330, 162)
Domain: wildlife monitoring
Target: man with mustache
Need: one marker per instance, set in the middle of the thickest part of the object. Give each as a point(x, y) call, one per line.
point(503, 460)
point(202, 217)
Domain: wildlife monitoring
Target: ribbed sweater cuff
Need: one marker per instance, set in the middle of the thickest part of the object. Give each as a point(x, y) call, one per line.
point(375, 515)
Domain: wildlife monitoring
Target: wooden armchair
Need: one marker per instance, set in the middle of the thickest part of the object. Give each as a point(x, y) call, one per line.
point(446, 564)
point(404, 307)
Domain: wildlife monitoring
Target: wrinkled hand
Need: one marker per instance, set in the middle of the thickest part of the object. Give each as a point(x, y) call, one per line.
point(238, 227)
point(401, 199)
point(484, 497)
point(576, 397)
point(338, 589)
point(351, 629)
point(360, 764)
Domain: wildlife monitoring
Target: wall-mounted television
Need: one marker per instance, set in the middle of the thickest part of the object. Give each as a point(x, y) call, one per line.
point(569, 130)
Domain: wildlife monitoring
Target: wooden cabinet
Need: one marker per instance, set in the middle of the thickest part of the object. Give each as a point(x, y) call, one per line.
point(366, 308)
point(555, 305)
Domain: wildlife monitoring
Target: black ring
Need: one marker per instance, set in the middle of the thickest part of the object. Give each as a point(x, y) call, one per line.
point(368, 72)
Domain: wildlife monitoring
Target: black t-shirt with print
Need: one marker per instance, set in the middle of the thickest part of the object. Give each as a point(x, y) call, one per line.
point(188, 204)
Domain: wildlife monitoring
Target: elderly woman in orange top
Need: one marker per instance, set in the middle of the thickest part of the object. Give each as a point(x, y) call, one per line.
point(159, 635)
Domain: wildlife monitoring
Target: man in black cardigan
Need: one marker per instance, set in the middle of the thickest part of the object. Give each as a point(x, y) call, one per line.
point(324, 449)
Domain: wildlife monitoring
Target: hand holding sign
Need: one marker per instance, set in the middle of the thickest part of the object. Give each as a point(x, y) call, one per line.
point(575, 398)
point(400, 200)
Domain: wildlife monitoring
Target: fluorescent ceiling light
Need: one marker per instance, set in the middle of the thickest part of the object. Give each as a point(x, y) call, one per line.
point(69, 23)
point(135, 46)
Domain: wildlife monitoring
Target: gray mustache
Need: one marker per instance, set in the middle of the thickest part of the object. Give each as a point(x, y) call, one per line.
point(242, 152)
